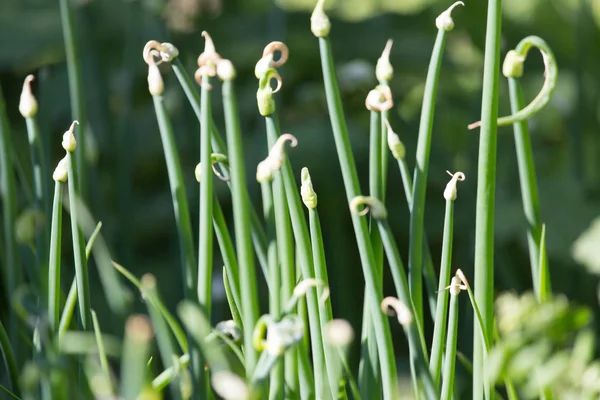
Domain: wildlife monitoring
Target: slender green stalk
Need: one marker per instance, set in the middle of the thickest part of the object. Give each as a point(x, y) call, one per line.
point(309, 197)
point(228, 254)
point(241, 215)
point(138, 336)
point(320, 27)
point(180, 204)
point(233, 307)
point(486, 190)
point(450, 356)
point(444, 24)
point(439, 329)
point(527, 178)
point(165, 377)
point(218, 145)
point(278, 232)
point(81, 270)
point(369, 375)
point(415, 336)
point(305, 256)
point(9, 212)
point(545, 288)
point(55, 256)
point(205, 236)
point(101, 352)
point(399, 152)
point(67, 314)
point(166, 347)
point(75, 86)
point(9, 360)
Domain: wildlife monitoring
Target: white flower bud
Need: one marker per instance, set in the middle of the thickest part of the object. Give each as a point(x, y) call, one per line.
point(394, 143)
point(263, 65)
point(444, 21)
point(226, 70)
point(400, 310)
point(68, 142)
point(309, 196)
point(339, 332)
point(156, 85)
point(28, 105)
point(384, 70)
point(61, 172)
point(264, 173)
point(229, 386)
point(319, 21)
point(450, 191)
point(512, 67)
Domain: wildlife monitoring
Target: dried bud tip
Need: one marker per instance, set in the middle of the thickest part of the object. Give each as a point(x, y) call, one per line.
point(370, 204)
point(28, 105)
point(319, 21)
point(384, 70)
point(68, 142)
point(450, 191)
point(444, 21)
point(61, 172)
point(209, 57)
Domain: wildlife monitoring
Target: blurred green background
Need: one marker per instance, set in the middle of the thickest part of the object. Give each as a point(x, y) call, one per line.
point(129, 189)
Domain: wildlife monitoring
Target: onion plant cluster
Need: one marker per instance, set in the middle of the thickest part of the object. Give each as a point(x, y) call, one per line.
point(295, 349)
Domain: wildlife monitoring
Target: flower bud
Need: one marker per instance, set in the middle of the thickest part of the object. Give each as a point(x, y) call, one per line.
point(68, 142)
point(394, 143)
point(444, 21)
point(319, 21)
point(512, 67)
point(226, 70)
point(309, 196)
point(28, 105)
point(264, 173)
point(384, 70)
point(156, 86)
point(450, 191)
point(61, 172)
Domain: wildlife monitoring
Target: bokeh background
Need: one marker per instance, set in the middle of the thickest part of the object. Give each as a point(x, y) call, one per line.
point(129, 189)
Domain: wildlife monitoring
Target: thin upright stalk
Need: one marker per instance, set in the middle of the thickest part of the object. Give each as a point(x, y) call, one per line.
point(180, 203)
point(439, 328)
point(75, 85)
point(305, 259)
point(55, 257)
point(218, 146)
point(372, 280)
point(527, 178)
point(205, 236)
point(81, 270)
point(138, 336)
point(450, 357)
point(241, 215)
point(420, 175)
point(369, 374)
point(9, 360)
point(486, 190)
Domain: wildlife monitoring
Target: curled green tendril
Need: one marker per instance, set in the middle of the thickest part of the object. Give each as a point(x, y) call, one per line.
point(550, 77)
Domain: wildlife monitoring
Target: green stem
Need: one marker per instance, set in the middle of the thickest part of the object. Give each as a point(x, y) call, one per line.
point(527, 178)
point(75, 85)
point(54, 260)
point(372, 280)
point(420, 175)
point(247, 273)
point(205, 236)
point(101, 352)
point(486, 190)
point(180, 204)
point(369, 374)
point(416, 340)
point(68, 310)
point(305, 259)
point(81, 270)
point(218, 146)
point(439, 328)
point(138, 335)
point(450, 357)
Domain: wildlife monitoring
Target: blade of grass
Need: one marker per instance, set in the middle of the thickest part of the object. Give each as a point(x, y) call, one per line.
point(9, 360)
point(486, 190)
point(242, 220)
point(55, 257)
point(415, 255)
point(9, 393)
point(545, 288)
point(320, 26)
